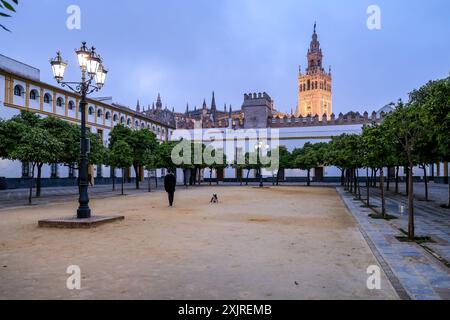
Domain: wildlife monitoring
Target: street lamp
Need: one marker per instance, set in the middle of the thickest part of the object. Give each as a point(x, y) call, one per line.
point(91, 70)
point(259, 147)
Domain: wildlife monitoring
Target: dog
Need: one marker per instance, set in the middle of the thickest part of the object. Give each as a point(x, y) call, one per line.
point(214, 199)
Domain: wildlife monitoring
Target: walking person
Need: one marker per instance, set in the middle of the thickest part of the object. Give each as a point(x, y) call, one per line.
point(169, 185)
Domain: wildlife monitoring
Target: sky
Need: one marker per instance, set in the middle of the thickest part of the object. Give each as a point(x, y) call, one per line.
point(185, 49)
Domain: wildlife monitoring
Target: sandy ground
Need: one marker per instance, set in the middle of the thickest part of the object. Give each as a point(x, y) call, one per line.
point(283, 243)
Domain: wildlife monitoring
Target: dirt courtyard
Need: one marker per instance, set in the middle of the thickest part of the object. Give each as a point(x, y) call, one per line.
point(271, 243)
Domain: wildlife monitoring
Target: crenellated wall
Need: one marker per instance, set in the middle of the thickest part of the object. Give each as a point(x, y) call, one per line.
point(347, 119)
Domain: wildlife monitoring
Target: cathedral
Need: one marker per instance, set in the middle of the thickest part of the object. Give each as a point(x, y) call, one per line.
point(315, 85)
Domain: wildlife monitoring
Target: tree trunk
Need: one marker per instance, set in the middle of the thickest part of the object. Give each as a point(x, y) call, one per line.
point(210, 176)
point(407, 181)
point(368, 187)
point(342, 178)
point(375, 171)
point(388, 178)
point(123, 178)
point(358, 186)
point(425, 180)
point(30, 195)
point(149, 182)
point(383, 200)
point(137, 173)
point(38, 180)
point(411, 234)
point(308, 178)
point(397, 169)
point(114, 179)
point(350, 180)
point(278, 177)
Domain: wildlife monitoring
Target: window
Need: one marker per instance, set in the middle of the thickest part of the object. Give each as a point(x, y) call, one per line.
point(129, 122)
point(99, 113)
point(47, 98)
point(18, 90)
point(91, 111)
point(59, 102)
point(33, 95)
point(122, 119)
point(115, 118)
point(136, 124)
point(107, 115)
point(71, 105)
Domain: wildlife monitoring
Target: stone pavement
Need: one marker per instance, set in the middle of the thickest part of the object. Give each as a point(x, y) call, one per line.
point(430, 219)
point(411, 269)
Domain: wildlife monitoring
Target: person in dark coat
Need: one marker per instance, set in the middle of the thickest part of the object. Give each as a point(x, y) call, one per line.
point(169, 185)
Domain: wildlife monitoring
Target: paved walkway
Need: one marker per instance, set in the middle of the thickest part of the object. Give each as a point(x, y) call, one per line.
point(411, 268)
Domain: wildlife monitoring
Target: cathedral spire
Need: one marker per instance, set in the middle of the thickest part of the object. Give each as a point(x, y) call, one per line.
point(158, 102)
point(204, 104)
point(187, 108)
point(138, 106)
point(213, 103)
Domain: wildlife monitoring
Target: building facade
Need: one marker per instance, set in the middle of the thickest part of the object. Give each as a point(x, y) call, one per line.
point(22, 89)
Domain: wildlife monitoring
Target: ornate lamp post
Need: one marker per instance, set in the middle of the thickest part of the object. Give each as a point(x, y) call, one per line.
point(91, 70)
point(259, 147)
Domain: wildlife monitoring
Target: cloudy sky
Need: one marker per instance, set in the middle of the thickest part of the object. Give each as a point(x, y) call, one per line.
point(185, 49)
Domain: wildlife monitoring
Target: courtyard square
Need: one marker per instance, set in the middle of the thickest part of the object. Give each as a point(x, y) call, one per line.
point(270, 243)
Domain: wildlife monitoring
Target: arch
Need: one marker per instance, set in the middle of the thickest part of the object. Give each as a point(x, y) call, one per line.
point(47, 98)
point(34, 94)
point(107, 115)
point(122, 119)
point(128, 122)
point(115, 117)
point(18, 90)
point(136, 124)
point(71, 105)
point(59, 102)
point(91, 110)
point(99, 113)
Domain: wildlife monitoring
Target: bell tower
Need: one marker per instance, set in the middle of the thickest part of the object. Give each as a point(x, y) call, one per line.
point(315, 85)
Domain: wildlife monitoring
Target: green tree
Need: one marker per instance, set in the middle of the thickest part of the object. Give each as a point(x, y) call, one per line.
point(140, 141)
point(406, 127)
point(434, 98)
point(214, 164)
point(35, 147)
point(120, 155)
point(306, 158)
point(284, 160)
point(376, 151)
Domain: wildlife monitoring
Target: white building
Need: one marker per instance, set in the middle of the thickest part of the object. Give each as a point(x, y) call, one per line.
point(21, 89)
